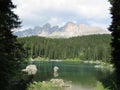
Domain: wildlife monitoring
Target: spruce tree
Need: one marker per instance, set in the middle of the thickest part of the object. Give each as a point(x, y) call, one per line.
point(115, 29)
point(9, 47)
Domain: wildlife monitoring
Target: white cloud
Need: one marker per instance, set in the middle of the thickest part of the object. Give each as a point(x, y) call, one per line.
point(60, 11)
point(96, 24)
point(54, 20)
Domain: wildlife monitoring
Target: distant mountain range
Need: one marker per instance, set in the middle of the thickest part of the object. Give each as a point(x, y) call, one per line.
point(68, 30)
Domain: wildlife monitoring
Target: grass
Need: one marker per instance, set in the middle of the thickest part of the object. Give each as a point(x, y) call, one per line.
point(48, 85)
point(39, 86)
point(45, 85)
point(99, 86)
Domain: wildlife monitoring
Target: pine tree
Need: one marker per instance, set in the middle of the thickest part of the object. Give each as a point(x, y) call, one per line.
point(115, 29)
point(9, 47)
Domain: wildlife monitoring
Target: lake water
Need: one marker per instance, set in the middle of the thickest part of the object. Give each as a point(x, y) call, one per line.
point(81, 76)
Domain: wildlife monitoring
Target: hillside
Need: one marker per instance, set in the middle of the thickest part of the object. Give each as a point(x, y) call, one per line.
point(91, 47)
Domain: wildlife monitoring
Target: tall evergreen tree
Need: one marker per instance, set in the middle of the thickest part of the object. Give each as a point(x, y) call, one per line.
point(9, 47)
point(115, 29)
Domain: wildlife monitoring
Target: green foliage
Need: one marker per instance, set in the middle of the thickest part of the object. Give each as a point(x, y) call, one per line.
point(115, 29)
point(100, 86)
point(43, 86)
point(53, 86)
point(10, 52)
point(111, 1)
point(92, 47)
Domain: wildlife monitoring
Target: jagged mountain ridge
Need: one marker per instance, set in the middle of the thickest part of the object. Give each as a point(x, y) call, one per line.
point(68, 30)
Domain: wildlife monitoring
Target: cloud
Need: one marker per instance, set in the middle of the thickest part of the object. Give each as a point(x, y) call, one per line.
point(37, 12)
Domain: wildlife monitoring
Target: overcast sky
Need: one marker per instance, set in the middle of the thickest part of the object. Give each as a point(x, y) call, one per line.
point(58, 12)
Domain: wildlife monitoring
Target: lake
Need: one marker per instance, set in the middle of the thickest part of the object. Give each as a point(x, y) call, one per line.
point(81, 76)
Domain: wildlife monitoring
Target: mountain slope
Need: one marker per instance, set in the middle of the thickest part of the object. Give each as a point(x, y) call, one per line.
point(90, 47)
point(68, 30)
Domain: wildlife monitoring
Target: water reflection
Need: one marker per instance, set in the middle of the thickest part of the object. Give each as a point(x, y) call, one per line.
point(83, 75)
point(55, 74)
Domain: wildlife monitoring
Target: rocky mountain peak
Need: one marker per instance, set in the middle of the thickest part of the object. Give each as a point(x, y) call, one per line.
point(70, 29)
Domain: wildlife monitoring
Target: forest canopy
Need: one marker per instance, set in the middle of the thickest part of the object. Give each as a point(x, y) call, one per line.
point(91, 47)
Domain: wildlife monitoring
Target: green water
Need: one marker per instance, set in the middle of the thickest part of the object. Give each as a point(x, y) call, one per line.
point(81, 76)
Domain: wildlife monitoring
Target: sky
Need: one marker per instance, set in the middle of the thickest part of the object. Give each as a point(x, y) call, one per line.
point(58, 12)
